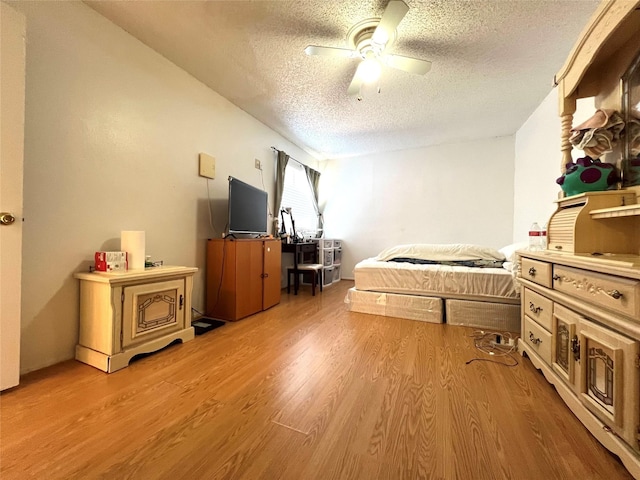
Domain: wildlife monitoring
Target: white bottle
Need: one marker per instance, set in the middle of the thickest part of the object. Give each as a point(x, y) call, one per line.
point(535, 237)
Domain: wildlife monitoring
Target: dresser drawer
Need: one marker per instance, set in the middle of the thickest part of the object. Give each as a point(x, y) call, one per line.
point(536, 271)
point(608, 291)
point(537, 339)
point(538, 308)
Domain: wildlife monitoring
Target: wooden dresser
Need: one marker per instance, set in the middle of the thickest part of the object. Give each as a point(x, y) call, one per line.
point(581, 328)
point(581, 296)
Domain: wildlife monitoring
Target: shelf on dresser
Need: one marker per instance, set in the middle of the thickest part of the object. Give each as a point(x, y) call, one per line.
point(613, 263)
point(613, 212)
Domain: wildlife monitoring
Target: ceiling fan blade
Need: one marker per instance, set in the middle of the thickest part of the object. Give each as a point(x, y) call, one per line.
point(391, 18)
point(407, 64)
point(331, 51)
point(355, 85)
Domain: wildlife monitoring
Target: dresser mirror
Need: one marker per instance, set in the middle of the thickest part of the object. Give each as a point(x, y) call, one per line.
point(631, 113)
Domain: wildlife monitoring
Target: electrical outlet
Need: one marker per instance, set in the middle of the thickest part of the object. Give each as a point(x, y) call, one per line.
point(258, 164)
point(207, 166)
point(503, 341)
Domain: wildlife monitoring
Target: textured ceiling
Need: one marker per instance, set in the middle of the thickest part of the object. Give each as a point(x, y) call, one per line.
point(493, 63)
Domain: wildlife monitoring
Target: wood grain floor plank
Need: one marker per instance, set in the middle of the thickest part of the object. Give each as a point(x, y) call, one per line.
point(305, 390)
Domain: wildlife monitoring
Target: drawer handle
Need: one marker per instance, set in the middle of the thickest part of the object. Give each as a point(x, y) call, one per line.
point(532, 271)
point(557, 278)
point(533, 339)
point(575, 348)
point(534, 309)
point(559, 247)
point(615, 294)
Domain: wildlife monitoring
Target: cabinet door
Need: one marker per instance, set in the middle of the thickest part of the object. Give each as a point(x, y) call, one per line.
point(152, 310)
point(248, 287)
point(221, 278)
point(272, 272)
point(565, 349)
point(609, 378)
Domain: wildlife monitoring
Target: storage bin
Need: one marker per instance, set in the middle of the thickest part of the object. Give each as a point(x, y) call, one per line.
point(336, 273)
point(327, 257)
point(327, 276)
point(326, 243)
point(337, 257)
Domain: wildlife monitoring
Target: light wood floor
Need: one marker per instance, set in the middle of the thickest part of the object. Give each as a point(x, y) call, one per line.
point(306, 390)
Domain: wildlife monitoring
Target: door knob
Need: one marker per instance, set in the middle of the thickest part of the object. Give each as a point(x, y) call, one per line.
point(6, 218)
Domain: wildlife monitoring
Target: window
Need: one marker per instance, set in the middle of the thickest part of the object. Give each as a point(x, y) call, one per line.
point(297, 195)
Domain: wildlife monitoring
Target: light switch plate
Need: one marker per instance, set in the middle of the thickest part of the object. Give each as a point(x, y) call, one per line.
point(207, 166)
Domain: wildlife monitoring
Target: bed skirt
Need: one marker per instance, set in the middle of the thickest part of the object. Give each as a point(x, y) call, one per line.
point(412, 307)
point(486, 315)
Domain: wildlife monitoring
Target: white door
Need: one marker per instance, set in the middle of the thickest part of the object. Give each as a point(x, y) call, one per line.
point(12, 71)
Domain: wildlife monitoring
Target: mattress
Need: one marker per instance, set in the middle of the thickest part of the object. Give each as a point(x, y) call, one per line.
point(445, 281)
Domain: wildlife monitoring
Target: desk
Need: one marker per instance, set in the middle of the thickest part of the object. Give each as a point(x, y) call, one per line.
point(302, 253)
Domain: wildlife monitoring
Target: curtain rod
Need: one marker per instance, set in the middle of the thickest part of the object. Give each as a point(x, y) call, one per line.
point(291, 158)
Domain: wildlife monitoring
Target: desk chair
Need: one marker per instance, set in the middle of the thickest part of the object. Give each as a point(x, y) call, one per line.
point(316, 276)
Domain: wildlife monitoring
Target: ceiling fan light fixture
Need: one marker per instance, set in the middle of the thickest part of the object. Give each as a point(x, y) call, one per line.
point(369, 70)
point(380, 37)
point(369, 40)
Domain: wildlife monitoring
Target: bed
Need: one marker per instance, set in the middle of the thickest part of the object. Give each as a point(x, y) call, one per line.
point(460, 284)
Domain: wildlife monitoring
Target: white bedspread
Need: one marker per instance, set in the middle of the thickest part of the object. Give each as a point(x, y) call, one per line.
point(488, 284)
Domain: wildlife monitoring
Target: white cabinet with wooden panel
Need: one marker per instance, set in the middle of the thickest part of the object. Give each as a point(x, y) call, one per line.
point(124, 314)
point(582, 330)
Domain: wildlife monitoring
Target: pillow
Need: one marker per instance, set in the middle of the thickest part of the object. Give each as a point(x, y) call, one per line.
point(440, 252)
point(509, 251)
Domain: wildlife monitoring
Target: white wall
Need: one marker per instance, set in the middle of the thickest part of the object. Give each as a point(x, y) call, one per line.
point(537, 165)
point(113, 132)
point(459, 193)
point(538, 162)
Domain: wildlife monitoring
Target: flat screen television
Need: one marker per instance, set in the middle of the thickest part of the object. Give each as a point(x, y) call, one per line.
point(247, 208)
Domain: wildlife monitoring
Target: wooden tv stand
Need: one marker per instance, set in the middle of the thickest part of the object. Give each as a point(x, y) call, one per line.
point(243, 276)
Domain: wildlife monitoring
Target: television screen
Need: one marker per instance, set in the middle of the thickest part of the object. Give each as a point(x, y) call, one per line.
point(247, 208)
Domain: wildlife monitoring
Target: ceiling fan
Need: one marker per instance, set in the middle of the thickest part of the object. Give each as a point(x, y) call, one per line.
point(369, 39)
